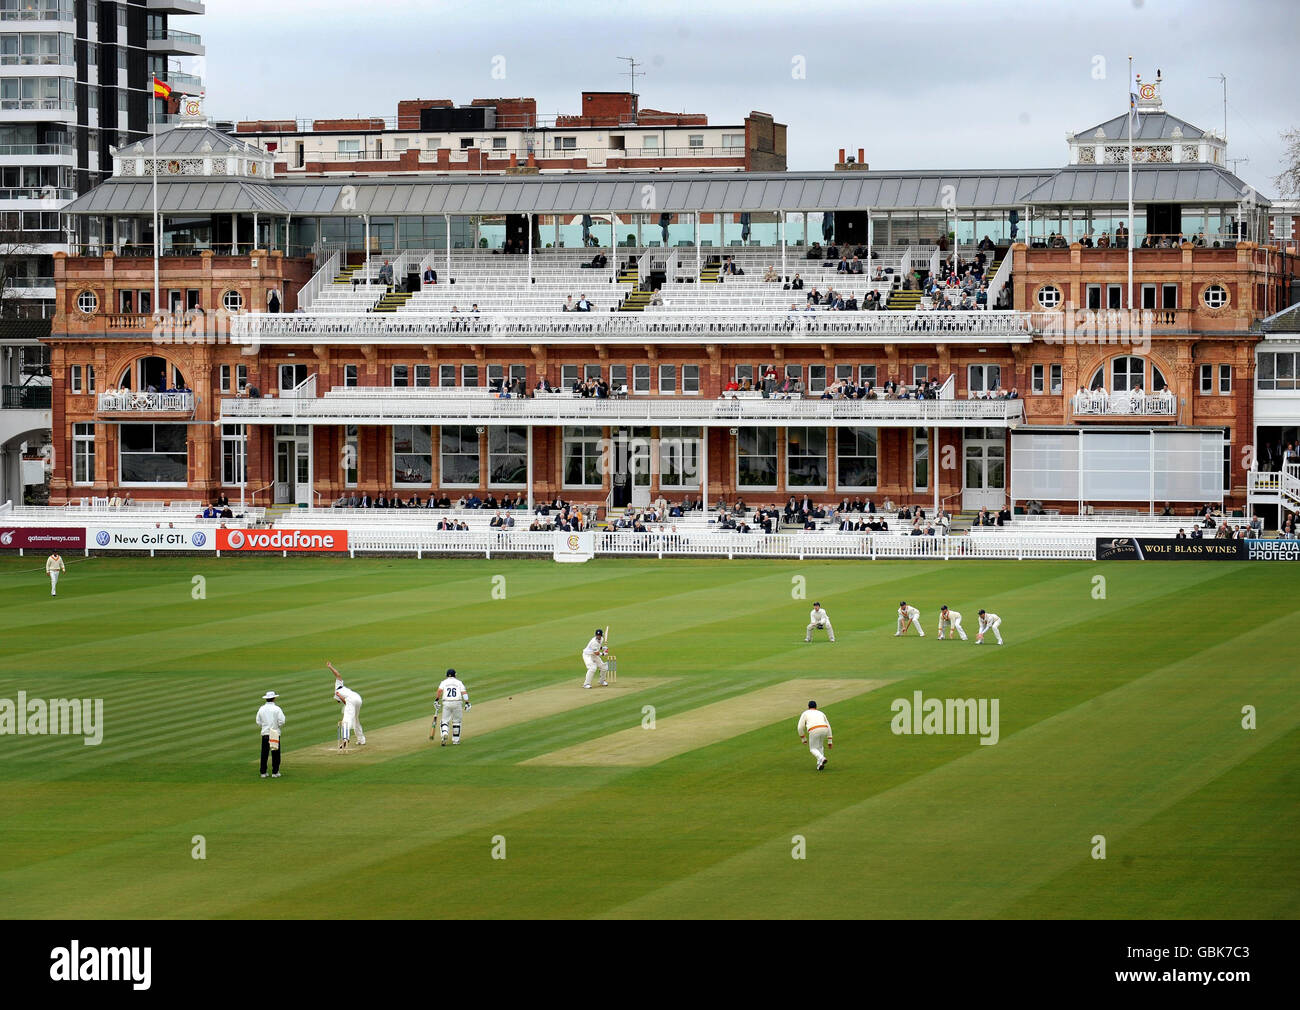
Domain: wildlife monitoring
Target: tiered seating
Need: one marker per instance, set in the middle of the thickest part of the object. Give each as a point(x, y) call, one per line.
point(1099, 525)
point(135, 514)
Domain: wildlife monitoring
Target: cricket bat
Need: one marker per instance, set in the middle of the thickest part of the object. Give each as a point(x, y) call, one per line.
point(612, 675)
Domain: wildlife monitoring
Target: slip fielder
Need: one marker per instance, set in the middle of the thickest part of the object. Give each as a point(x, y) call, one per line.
point(989, 622)
point(452, 701)
point(950, 621)
point(53, 566)
point(908, 617)
point(815, 730)
point(351, 702)
point(818, 618)
point(593, 655)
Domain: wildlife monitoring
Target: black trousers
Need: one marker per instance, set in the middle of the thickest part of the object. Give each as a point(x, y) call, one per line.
point(274, 755)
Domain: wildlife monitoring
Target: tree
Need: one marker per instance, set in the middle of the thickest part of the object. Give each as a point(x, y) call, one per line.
point(1288, 183)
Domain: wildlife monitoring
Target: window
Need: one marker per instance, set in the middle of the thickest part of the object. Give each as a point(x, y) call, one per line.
point(744, 372)
point(413, 454)
point(1215, 296)
point(351, 452)
point(193, 298)
point(1148, 296)
point(679, 457)
point(401, 144)
point(423, 376)
point(566, 143)
point(87, 302)
point(232, 301)
point(591, 373)
point(233, 378)
point(349, 375)
point(432, 143)
point(1114, 296)
point(920, 459)
point(153, 454)
point(650, 142)
point(1058, 380)
point(498, 143)
point(816, 378)
point(469, 376)
point(126, 301)
point(83, 454)
point(640, 378)
point(74, 379)
point(1169, 296)
point(920, 373)
point(805, 458)
point(447, 375)
point(697, 140)
point(756, 458)
point(1049, 296)
point(856, 457)
point(866, 375)
point(1127, 373)
point(667, 379)
point(983, 378)
point(1276, 370)
point(690, 378)
point(617, 378)
point(733, 140)
point(234, 454)
point(1037, 381)
point(400, 376)
point(1225, 379)
point(507, 456)
point(349, 145)
point(582, 457)
point(568, 376)
point(843, 373)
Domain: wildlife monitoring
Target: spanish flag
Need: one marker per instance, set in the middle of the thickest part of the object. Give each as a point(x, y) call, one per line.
point(161, 89)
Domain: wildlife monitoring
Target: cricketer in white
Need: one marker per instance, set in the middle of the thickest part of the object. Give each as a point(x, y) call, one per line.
point(818, 618)
point(816, 729)
point(452, 700)
point(592, 656)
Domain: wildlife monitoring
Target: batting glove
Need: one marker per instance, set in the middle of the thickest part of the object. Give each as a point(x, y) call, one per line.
point(466, 706)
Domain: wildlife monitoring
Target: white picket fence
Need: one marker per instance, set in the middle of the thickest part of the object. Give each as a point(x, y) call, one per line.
point(730, 545)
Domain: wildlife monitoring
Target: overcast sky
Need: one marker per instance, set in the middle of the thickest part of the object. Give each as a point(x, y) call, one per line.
point(917, 83)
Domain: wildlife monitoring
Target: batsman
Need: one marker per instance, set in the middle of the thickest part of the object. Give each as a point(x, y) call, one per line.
point(594, 657)
point(451, 703)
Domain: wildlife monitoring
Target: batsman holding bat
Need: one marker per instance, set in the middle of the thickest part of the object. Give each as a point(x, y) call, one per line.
point(908, 617)
point(452, 702)
point(594, 657)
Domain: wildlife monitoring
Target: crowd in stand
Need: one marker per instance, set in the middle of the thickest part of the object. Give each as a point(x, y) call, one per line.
point(1120, 241)
point(959, 284)
point(395, 501)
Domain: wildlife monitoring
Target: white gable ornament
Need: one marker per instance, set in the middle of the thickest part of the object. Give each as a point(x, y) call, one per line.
point(191, 110)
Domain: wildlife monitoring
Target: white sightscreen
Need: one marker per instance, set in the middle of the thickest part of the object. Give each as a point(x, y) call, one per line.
point(1130, 466)
point(1045, 466)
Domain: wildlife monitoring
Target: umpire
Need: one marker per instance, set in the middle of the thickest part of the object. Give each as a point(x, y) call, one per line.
point(270, 717)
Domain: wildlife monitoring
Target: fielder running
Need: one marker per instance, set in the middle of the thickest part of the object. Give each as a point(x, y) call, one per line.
point(815, 730)
point(594, 656)
point(908, 617)
point(351, 702)
point(819, 619)
point(989, 622)
point(950, 621)
point(452, 701)
point(53, 566)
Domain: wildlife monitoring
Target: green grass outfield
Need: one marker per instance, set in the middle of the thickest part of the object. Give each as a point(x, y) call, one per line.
point(1120, 717)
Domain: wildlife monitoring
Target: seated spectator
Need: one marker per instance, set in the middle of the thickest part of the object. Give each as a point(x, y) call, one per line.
point(770, 275)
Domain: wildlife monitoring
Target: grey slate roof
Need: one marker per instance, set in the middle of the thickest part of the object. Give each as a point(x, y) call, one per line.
point(189, 140)
point(135, 196)
point(1151, 126)
point(1108, 184)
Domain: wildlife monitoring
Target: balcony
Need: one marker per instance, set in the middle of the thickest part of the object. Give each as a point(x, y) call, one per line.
point(682, 328)
point(184, 84)
point(27, 398)
point(37, 154)
point(176, 6)
point(174, 43)
point(1124, 405)
point(480, 406)
point(144, 403)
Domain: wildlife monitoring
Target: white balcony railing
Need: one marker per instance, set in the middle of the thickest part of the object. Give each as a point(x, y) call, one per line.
point(382, 406)
point(141, 402)
point(1157, 404)
point(679, 327)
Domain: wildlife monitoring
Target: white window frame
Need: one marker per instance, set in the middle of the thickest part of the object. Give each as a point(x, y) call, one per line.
point(83, 453)
point(234, 442)
point(350, 373)
point(584, 435)
point(690, 380)
point(816, 378)
point(679, 450)
point(523, 452)
point(74, 380)
point(921, 451)
point(351, 448)
point(824, 457)
point(422, 377)
point(400, 376)
point(1225, 380)
point(1038, 379)
point(856, 488)
point(667, 380)
point(641, 380)
point(446, 376)
point(775, 455)
point(468, 372)
point(433, 449)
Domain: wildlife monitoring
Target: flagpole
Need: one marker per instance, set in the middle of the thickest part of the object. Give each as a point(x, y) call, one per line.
point(153, 122)
point(1132, 111)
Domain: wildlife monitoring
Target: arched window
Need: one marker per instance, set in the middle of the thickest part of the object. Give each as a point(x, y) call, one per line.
point(1127, 373)
point(152, 373)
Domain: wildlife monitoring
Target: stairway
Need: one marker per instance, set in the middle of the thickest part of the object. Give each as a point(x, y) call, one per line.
point(629, 275)
point(710, 272)
point(903, 301)
point(345, 275)
point(636, 301)
point(274, 513)
point(392, 301)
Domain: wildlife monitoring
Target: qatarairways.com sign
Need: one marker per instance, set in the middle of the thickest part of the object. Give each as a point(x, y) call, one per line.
point(282, 540)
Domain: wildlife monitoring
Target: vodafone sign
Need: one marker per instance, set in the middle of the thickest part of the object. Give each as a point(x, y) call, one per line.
point(282, 540)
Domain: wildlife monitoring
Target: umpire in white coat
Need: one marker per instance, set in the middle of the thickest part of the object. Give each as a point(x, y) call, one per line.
point(270, 717)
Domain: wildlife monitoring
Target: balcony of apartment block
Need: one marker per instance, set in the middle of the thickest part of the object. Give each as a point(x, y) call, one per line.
point(37, 154)
point(171, 42)
point(184, 84)
point(128, 403)
point(29, 287)
point(35, 197)
point(176, 6)
point(44, 19)
point(26, 397)
point(38, 110)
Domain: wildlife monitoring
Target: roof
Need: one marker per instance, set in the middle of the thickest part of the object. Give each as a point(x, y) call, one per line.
point(1108, 184)
point(1151, 126)
point(189, 140)
point(1286, 321)
point(135, 195)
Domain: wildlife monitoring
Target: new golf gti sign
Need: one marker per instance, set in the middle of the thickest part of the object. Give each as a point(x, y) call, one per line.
point(149, 538)
point(282, 540)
